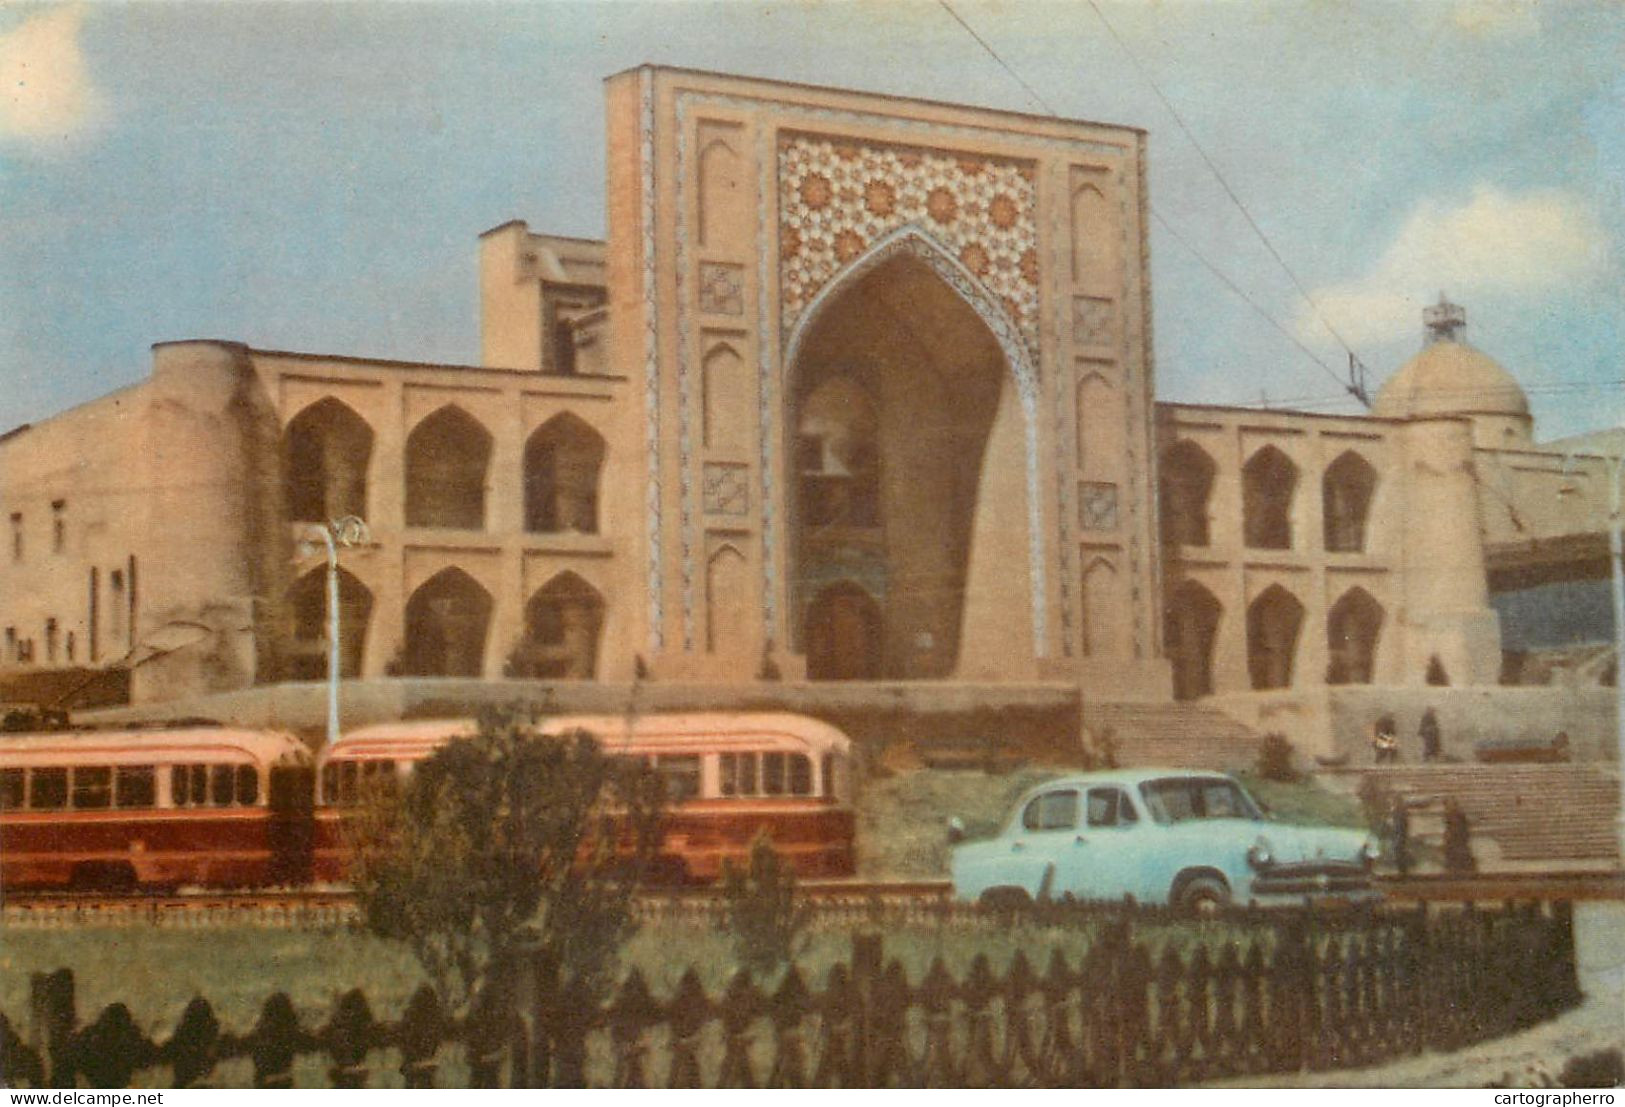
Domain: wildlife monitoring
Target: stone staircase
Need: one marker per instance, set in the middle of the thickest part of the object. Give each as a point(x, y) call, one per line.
point(1176, 735)
point(1533, 814)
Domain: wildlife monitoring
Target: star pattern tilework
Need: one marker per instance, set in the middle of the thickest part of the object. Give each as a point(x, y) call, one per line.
point(837, 198)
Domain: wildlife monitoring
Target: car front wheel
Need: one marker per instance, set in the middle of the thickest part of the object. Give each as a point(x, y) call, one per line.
point(1201, 895)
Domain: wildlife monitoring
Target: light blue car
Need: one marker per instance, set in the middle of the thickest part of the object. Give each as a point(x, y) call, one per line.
point(1195, 840)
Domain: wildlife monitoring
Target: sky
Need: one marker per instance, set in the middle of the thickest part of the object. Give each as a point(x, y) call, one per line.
point(314, 176)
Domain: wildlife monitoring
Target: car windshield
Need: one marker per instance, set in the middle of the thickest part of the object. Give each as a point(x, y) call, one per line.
point(1180, 799)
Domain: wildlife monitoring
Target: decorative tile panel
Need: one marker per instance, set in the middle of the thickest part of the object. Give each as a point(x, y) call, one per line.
point(1092, 319)
point(726, 489)
point(837, 197)
point(1097, 506)
point(722, 288)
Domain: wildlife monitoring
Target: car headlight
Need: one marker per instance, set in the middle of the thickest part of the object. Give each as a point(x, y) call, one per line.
point(1259, 856)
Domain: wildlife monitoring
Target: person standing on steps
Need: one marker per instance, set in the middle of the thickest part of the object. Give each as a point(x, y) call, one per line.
point(1385, 740)
point(1428, 732)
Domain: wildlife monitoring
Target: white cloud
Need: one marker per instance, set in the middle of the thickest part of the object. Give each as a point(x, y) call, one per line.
point(1495, 245)
point(45, 91)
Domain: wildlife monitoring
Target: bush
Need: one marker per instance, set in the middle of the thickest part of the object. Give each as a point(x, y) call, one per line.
point(1377, 803)
point(764, 916)
point(500, 845)
point(1276, 759)
point(1603, 1069)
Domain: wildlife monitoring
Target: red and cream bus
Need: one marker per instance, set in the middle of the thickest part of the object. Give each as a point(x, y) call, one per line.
point(150, 808)
point(728, 778)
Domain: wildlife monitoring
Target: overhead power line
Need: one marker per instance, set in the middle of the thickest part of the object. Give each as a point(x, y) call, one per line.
point(1354, 383)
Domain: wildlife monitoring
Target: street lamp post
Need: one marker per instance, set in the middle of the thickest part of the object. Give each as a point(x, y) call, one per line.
point(348, 531)
point(1616, 576)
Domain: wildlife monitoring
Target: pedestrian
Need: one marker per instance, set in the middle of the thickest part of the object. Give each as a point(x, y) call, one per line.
point(1399, 835)
point(1458, 850)
point(1385, 740)
point(1428, 732)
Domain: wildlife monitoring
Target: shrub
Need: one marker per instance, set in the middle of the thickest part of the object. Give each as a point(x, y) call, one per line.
point(1377, 802)
point(764, 916)
point(1604, 1068)
point(1276, 759)
point(501, 844)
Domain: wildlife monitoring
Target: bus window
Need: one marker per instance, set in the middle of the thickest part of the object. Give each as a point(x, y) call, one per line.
point(330, 783)
point(773, 774)
point(738, 774)
point(828, 768)
point(189, 785)
point(681, 773)
point(248, 785)
point(13, 788)
point(348, 772)
point(92, 787)
point(221, 781)
point(800, 775)
point(48, 789)
point(135, 786)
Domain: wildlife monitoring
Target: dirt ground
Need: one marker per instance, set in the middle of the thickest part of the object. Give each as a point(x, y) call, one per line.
point(1530, 1059)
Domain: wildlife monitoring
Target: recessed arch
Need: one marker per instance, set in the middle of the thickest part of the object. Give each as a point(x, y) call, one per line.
point(1186, 485)
point(306, 608)
point(1352, 628)
point(844, 634)
point(563, 621)
point(448, 455)
point(1346, 492)
point(727, 624)
point(1190, 629)
point(1269, 481)
point(563, 463)
point(1105, 615)
point(1274, 621)
point(326, 450)
point(895, 252)
point(447, 620)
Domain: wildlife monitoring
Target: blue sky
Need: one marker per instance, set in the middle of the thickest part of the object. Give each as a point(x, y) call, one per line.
point(313, 176)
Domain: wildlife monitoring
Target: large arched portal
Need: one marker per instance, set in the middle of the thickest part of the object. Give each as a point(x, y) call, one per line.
point(909, 473)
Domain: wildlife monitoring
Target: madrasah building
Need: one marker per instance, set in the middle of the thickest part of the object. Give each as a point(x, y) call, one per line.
point(855, 404)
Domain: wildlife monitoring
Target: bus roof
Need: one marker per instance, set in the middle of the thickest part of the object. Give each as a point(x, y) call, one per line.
point(102, 747)
point(642, 734)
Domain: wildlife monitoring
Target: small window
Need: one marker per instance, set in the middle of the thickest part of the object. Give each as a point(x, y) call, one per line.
point(1110, 807)
point(800, 775)
point(349, 781)
point(16, 536)
point(1052, 811)
point(222, 779)
point(828, 769)
point(681, 772)
point(248, 785)
point(330, 783)
point(13, 787)
point(59, 526)
point(136, 786)
point(737, 774)
point(48, 789)
point(93, 788)
point(773, 766)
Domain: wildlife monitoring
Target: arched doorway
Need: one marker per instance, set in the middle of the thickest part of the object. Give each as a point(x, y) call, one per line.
point(1269, 481)
point(844, 635)
point(562, 463)
point(562, 621)
point(307, 610)
point(1346, 502)
point(446, 622)
point(1352, 627)
point(911, 471)
point(1190, 627)
point(447, 456)
point(325, 453)
point(1273, 622)
point(1187, 482)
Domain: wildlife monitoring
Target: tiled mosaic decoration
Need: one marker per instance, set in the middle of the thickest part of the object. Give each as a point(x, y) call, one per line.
point(836, 198)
